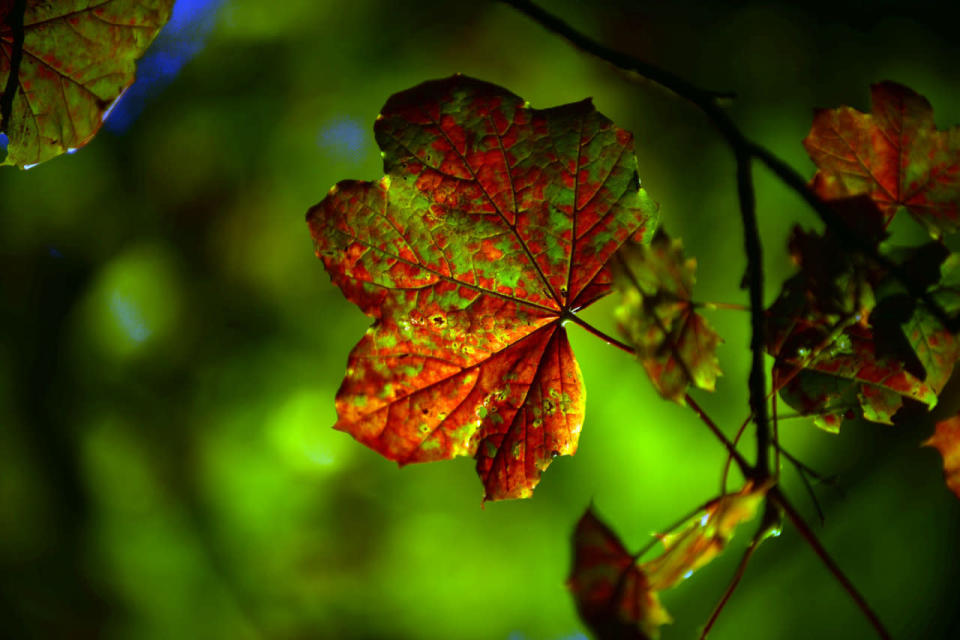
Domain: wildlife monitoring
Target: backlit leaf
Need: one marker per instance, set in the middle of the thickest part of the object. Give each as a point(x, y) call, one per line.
point(78, 57)
point(844, 375)
point(703, 538)
point(657, 317)
point(617, 597)
point(612, 594)
point(936, 348)
point(493, 225)
point(894, 154)
point(946, 439)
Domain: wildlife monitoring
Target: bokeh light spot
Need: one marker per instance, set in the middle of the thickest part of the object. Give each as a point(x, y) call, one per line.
point(134, 304)
point(300, 432)
point(344, 139)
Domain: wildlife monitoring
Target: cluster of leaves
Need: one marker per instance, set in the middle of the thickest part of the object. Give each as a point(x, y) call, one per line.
point(62, 65)
point(617, 596)
point(848, 336)
point(496, 223)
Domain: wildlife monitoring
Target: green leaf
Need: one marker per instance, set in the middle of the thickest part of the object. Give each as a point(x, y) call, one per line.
point(493, 226)
point(657, 317)
point(78, 58)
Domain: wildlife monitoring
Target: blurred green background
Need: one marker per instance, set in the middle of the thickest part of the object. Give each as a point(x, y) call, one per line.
point(170, 347)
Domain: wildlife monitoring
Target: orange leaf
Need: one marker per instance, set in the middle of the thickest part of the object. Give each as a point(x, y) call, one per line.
point(946, 439)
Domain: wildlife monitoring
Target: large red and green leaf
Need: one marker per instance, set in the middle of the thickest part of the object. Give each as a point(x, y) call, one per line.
point(657, 316)
point(617, 597)
point(493, 225)
point(946, 439)
point(894, 154)
point(78, 56)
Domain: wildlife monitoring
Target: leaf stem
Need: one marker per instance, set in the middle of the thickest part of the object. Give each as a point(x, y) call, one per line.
point(811, 539)
point(572, 317)
point(734, 583)
point(745, 467)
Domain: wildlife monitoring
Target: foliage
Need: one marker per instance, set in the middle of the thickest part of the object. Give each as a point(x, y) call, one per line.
point(174, 386)
point(72, 62)
point(494, 223)
point(657, 317)
point(894, 154)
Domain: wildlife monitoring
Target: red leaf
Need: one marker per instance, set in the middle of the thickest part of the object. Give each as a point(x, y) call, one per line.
point(894, 154)
point(946, 439)
point(612, 594)
point(493, 224)
point(844, 375)
point(617, 597)
point(78, 57)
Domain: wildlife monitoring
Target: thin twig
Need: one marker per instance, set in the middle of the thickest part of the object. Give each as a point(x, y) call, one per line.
point(811, 539)
point(618, 59)
point(574, 318)
point(745, 468)
point(734, 582)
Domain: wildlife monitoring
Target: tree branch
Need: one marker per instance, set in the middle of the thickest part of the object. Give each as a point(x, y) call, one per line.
point(751, 240)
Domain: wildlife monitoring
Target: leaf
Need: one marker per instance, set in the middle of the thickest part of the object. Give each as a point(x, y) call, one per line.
point(895, 154)
point(703, 538)
point(656, 316)
point(493, 225)
point(612, 594)
point(617, 597)
point(78, 57)
point(841, 372)
point(946, 439)
point(842, 353)
point(937, 348)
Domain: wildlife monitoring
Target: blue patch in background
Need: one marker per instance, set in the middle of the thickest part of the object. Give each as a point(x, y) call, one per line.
point(179, 41)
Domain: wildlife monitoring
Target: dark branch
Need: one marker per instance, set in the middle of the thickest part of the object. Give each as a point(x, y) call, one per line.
point(618, 59)
point(758, 381)
point(734, 583)
point(15, 22)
